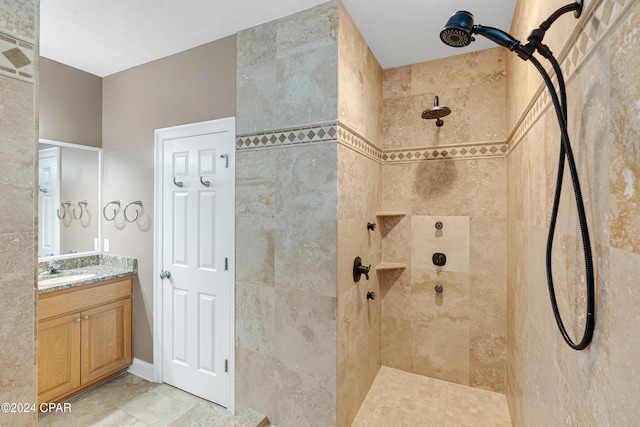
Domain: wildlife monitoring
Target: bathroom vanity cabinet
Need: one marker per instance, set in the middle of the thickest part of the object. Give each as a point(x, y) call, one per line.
point(84, 337)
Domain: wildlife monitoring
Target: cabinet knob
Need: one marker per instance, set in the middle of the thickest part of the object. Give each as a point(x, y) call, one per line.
point(86, 317)
point(78, 320)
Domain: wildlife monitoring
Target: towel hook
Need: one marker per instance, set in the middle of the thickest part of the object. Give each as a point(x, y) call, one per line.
point(205, 183)
point(139, 203)
point(83, 206)
point(65, 206)
point(115, 211)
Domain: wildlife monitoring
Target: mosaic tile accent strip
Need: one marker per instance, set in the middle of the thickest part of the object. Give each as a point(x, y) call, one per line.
point(17, 58)
point(331, 132)
point(461, 151)
point(324, 132)
point(355, 141)
point(605, 15)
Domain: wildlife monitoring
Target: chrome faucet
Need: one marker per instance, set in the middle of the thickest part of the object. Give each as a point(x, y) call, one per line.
point(55, 268)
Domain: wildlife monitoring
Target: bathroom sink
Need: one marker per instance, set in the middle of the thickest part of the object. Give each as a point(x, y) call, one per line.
point(59, 280)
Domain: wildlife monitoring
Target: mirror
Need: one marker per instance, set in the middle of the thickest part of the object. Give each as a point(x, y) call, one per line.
point(69, 199)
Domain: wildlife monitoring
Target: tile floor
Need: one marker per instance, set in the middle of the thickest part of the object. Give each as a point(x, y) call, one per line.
point(131, 401)
point(396, 399)
point(402, 399)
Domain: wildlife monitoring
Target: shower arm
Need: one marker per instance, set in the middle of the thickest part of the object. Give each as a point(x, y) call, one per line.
point(525, 52)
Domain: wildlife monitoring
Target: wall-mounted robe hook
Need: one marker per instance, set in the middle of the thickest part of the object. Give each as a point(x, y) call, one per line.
point(115, 210)
point(138, 203)
point(65, 206)
point(178, 183)
point(205, 183)
point(83, 206)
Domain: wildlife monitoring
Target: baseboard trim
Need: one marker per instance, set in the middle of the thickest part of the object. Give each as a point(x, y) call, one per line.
point(142, 369)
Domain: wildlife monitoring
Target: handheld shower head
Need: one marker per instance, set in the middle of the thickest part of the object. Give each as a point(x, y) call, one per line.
point(459, 28)
point(457, 31)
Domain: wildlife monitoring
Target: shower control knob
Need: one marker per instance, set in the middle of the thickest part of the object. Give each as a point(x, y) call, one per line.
point(439, 288)
point(439, 259)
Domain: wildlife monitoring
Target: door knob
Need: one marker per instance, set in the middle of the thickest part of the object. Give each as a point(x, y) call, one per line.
point(165, 274)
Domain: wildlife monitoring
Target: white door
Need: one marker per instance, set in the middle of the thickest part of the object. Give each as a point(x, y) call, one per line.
point(49, 202)
point(196, 249)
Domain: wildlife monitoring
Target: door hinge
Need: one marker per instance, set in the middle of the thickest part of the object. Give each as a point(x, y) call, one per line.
point(226, 160)
point(226, 365)
point(226, 264)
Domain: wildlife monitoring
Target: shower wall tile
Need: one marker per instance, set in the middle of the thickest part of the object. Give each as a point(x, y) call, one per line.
point(286, 207)
point(308, 30)
point(465, 83)
point(625, 152)
point(287, 71)
point(305, 220)
point(307, 87)
point(18, 352)
point(18, 215)
point(255, 311)
point(17, 19)
point(17, 156)
point(359, 82)
point(258, 45)
point(548, 382)
point(396, 196)
point(359, 319)
point(256, 90)
point(359, 357)
point(397, 343)
point(286, 281)
point(469, 347)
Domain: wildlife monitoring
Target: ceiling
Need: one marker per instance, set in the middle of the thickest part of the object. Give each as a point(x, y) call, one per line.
point(105, 37)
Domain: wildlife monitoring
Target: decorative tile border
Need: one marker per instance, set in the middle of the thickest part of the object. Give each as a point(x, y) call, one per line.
point(17, 58)
point(338, 132)
point(603, 17)
point(324, 132)
point(459, 151)
point(357, 142)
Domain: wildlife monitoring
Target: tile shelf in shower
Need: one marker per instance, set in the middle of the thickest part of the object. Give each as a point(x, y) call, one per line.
point(390, 214)
point(385, 266)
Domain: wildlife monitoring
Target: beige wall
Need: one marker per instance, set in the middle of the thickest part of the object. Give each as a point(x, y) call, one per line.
point(70, 104)
point(455, 174)
point(359, 198)
point(286, 216)
point(191, 86)
point(549, 383)
point(18, 225)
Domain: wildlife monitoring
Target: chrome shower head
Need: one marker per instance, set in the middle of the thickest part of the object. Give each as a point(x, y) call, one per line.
point(437, 112)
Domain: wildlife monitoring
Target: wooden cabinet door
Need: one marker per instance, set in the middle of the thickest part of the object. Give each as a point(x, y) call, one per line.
point(58, 356)
point(106, 340)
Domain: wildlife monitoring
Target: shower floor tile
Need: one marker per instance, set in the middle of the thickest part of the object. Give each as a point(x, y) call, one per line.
point(399, 399)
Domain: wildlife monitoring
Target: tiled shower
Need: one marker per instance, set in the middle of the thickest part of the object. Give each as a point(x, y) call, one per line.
point(347, 147)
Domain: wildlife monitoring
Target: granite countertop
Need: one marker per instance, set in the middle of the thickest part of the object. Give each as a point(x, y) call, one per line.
point(83, 270)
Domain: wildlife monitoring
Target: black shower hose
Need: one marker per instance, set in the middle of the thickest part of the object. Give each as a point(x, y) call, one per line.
point(565, 151)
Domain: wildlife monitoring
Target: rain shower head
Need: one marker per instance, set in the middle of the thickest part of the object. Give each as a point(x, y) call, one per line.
point(437, 112)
